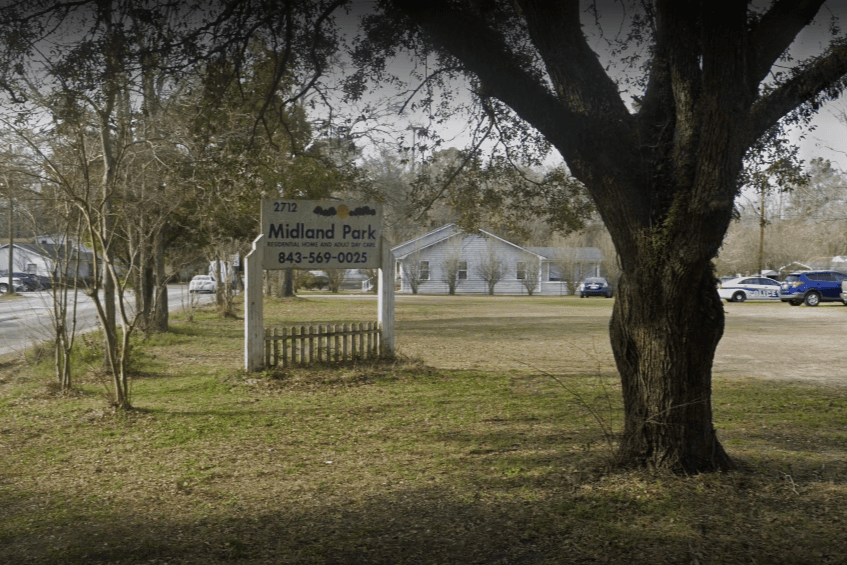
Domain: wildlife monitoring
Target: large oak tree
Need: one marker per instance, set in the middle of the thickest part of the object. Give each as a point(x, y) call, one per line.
point(663, 175)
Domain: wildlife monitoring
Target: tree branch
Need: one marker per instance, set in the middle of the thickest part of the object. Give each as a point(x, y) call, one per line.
point(826, 77)
point(580, 80)
point(504, 75)
point(775, 32)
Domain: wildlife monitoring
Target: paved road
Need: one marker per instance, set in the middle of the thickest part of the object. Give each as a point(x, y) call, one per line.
point(26, 320)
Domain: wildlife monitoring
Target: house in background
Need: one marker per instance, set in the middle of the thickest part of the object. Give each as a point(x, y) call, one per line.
point(41, 257)
point(424, 261)
point(568, 263)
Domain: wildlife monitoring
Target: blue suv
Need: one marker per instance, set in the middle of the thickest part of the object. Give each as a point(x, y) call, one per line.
point(812, 287)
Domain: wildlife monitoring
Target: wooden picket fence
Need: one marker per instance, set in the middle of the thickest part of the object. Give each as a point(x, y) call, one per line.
point(321, 343)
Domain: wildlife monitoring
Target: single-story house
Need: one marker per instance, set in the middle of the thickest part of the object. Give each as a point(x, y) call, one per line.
point(477, 258)
point(40, 258)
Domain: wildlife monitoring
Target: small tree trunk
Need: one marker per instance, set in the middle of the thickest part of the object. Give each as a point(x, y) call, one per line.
point(110, 319)
point(160, 315)
point(288, 284)
point(762, 223)
point(219, 287)
point(11, 267)
point(374, 276)
point(664, 330)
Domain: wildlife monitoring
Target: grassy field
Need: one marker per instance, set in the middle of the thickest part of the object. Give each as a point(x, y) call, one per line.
point(487, 442)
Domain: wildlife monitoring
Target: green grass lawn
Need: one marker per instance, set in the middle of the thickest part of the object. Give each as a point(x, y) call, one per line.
point(409, 461)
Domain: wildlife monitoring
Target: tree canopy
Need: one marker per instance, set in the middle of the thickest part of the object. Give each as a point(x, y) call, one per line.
point(653, 117)
point(707, 81)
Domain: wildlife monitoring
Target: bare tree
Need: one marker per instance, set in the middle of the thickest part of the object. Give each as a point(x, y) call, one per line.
point(414, 271)
point(453, 267)
point(372, 279)
point(224, 255)
point(569, 271)
point(529, 273)
point(491, 269)
point(65, 288)
point(335, 277)
point(568, 263)
point(772, 166)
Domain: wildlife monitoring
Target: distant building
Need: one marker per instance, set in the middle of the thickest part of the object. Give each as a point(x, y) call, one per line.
point(550, 268)
point(41, 257)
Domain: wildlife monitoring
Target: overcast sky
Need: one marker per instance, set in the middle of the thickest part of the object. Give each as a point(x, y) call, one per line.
point(828, 139)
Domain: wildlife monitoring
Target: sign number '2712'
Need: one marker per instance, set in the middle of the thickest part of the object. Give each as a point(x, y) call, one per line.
point(321, 234)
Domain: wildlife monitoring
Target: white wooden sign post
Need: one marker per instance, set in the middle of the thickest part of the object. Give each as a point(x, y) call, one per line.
point(316, 234)
point(254, 314)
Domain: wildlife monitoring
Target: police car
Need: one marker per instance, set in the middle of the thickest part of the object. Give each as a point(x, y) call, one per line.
point(749, 288)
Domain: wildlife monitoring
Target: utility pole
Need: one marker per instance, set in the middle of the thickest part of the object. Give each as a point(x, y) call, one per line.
point(11, 244)
point(11, 285)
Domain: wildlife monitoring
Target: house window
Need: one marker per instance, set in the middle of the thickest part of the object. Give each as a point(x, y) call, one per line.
point(521, 275)
point(424, 271)
point(31, 268)
point(463, 271)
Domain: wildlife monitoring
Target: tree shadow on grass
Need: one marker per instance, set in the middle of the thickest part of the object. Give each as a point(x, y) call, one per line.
point(619, 518)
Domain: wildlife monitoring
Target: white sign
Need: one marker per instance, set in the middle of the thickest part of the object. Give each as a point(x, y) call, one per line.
point(321, 234)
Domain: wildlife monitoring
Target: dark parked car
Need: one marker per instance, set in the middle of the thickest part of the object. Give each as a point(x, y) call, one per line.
point(594, 286)
point(15, 283)
point(30, 282)
point(812, 287)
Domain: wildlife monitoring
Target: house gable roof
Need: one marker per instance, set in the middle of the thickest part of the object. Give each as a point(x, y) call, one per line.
point(581, 254)
point(44, 250)
point(48, 250)
point(439, 235)
point(443, 234)
point(424, 241)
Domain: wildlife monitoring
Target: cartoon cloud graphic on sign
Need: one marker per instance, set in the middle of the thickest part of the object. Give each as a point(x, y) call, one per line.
point(363, 211)
point(321, 212)
point(343, 211)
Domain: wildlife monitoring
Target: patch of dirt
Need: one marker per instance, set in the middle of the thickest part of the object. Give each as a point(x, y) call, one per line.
point(786, 343)
point(531, 335)
point(569, 336)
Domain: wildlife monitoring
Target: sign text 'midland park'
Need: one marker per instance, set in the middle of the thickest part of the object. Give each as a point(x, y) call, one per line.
point(300, 231)
point(321, 234)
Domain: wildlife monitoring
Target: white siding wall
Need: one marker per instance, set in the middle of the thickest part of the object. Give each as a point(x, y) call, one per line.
point(474, 250)
point(22, 258)
point(43, 265)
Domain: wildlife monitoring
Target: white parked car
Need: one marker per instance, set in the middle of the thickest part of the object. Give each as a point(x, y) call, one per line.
point(203, 283)
point(749, 288)
point(18, 285)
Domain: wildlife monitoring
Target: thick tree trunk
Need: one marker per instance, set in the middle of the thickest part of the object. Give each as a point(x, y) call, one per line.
point(665, 328)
